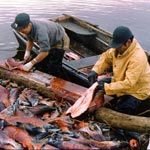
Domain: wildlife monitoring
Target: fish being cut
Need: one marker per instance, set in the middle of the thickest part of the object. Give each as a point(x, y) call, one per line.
point(11, 63)
point(82, 104)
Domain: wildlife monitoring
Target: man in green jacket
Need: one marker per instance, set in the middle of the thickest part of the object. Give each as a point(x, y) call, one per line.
point(130, 83)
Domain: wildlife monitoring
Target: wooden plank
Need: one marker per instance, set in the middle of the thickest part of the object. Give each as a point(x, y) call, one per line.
point(77, 28)
point(84, 62)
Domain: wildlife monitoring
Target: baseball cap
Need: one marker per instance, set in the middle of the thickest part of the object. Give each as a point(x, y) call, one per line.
point(21, 21)
point(120, 35)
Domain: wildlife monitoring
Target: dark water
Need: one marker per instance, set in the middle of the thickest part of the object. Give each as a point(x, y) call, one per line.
point(108, 14)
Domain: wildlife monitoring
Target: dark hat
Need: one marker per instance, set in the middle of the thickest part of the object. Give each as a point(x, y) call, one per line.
point(120, 35)
point(21, 21)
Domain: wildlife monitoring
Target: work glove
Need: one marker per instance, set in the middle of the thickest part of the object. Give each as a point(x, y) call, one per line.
point(102, 82)
point(27, 55)
point(92, 77)
point(27, 66)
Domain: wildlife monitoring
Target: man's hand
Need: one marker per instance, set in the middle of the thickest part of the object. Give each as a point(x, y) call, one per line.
point(92, 77)
point(27, 55)
point(102, 82)
point(27, 66)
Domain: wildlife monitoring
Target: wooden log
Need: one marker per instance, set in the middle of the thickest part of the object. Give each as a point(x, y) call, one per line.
point(48, 85)
point(124, 121)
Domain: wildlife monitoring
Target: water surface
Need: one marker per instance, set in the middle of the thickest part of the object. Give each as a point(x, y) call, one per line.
point(108, 14)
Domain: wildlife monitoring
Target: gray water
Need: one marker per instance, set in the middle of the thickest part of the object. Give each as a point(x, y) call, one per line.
point(108, 14)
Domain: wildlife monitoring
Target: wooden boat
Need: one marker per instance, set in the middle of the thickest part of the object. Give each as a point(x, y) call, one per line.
point(88, 41)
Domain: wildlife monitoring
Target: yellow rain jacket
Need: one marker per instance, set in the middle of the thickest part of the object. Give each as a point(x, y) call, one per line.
point(131, 72)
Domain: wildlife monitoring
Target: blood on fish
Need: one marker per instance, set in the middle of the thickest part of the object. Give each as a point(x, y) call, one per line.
point(74, 145)
point(6, 140)
point(47, 146)
point(63, 122)
point(22, 118)
point(19, 135)
point(11, 63)
point(97, 101)
point(82, 104)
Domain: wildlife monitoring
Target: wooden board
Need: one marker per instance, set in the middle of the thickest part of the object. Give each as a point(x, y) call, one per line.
point(77, 28)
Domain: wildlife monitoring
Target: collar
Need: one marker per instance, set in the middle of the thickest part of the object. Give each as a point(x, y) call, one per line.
point(32, 32)
point(130, 48)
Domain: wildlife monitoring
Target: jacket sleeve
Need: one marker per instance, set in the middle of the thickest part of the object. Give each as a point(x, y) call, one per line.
point(133, 74)
point(104, 62)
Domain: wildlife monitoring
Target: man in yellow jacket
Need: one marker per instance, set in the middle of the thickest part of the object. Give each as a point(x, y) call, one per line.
point(130, 83)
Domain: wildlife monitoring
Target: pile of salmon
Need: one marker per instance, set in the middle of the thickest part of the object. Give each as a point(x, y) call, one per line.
point(29, 120)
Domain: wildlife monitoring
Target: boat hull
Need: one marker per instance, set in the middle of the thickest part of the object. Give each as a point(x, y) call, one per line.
point(87, 41)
